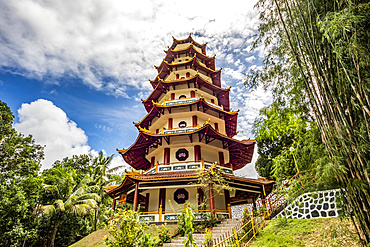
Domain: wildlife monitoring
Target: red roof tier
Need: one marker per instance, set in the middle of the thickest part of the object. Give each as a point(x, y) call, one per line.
point(163, 86)
point(240, 152)
point(130, 179)
point(229, 117)
point(171, 54)
point(188, 40)
point(165, 69)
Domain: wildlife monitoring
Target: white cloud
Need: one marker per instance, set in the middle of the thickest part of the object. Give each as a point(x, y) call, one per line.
point(113, 44)
point(249, 170)
point(50, 126)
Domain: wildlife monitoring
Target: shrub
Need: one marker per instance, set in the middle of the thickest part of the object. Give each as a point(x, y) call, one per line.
point(164, 234)
point(208, 238)
point(127, 230)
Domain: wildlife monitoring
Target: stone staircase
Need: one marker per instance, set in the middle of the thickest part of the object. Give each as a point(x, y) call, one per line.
point(220, 231)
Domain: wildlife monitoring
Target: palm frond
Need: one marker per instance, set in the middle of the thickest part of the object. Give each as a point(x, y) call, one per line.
point(48, 209)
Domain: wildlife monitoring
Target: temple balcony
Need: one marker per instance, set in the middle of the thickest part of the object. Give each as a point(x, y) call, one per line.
point(173, 216)
point(186, 165)
point(183, 101)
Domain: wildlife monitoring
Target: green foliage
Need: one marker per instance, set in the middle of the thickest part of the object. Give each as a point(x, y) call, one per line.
point(164, 234)
point(185, 225)
point(68, 194)
point(282, 132)
point(128, 230)
point(318, 64)
point(208, 238)
point(20, 185)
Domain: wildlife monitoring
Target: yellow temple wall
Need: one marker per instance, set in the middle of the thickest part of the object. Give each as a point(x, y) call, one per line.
point(153, 199)
point(171, 205)
point(208, 153)
point(182, 74)
point(220, 202)
point(180, 116)
point(184, 90)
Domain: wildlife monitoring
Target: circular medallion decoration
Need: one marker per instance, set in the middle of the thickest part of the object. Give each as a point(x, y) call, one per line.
point(182, 154)
point(182, 124)
point(181, 195)
point(182, 97)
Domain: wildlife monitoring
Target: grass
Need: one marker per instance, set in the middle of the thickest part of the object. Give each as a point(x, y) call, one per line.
point(283, 232)
point(95, 239)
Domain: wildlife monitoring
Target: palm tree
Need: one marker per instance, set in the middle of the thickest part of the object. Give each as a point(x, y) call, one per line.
point(71, 197)
point(102, 176)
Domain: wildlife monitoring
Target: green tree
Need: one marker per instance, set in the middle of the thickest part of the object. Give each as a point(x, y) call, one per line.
point(20, 186)
point(318, 52)
point(287, 141)
point(69, 196)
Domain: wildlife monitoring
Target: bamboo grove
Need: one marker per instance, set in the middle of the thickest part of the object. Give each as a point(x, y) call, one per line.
point(319, 51)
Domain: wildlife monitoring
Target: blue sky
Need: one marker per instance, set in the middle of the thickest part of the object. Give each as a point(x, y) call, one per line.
point(73, 72)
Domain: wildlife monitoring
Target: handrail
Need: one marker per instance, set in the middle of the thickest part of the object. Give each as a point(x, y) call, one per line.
point(274, 204)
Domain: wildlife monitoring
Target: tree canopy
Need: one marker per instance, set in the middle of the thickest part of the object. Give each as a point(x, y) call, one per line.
point(318, 63)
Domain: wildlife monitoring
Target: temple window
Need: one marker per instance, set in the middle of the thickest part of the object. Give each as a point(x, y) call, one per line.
point(182, 97)
point(182, 124)
point(187, 75)
point(177, 76)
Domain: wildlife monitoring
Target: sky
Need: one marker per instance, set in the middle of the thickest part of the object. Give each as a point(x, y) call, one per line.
point(74, 72)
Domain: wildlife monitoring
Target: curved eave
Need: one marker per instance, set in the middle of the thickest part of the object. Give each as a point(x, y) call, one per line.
point(162, 86)
point(129, 180)
point(241, 152)
point(230, 117)
point(188, 40)
point(165, 67)
point(170, 54)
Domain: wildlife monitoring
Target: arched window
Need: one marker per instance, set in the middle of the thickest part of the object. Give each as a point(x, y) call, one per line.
point(187, 74)
point(177, 76)
point(182, 97)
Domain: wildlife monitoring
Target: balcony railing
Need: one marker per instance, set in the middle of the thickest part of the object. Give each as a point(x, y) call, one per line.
point(187, 101)
point(186, 165)
point(163, 216)
point(179, 130)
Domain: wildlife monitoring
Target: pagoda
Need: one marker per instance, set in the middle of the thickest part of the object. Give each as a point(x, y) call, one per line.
point(187, 132)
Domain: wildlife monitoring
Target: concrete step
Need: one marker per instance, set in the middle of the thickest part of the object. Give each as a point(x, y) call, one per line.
point(225, 228)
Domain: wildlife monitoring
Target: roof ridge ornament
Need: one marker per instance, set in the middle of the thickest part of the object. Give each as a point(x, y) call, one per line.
point(143, 129)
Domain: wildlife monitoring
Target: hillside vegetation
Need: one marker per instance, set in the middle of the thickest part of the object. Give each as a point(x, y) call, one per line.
point(313, 232)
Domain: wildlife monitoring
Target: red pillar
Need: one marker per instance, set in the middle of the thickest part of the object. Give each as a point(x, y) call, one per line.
point(200, 197)
point(195, 121)
point(197, 153)
point(221, 158)
point(166, 159)
point(162, 198)
point(113, 208)
point(211, 199)
point(170, 121)
point(227, 197)
point(172, 96)
point(152, 162)
point(192, 94)
point(136, 196)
